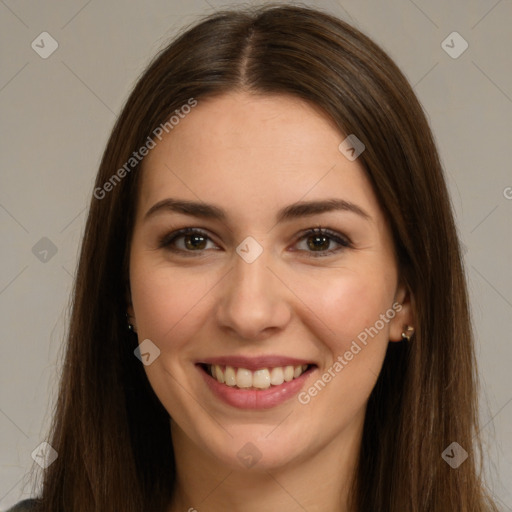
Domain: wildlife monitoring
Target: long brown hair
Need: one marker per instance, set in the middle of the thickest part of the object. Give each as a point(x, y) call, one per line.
point(111, 432)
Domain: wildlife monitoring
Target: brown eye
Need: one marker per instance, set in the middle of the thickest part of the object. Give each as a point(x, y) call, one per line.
point(320, 241)
point(185, 240)
point(194, 241)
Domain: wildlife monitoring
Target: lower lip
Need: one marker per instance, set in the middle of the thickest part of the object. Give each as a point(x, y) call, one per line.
point(256, 399)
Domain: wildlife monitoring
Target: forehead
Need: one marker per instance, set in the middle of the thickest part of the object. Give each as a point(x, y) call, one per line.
point(253, 153)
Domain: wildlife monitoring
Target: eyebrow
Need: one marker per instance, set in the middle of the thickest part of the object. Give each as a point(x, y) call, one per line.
point(292, 211)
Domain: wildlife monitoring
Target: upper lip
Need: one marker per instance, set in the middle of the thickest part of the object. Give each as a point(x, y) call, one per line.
point(255, 363)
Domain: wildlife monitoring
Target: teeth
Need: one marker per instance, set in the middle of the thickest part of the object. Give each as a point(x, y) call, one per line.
point(288, 373)
point(259, 379)
point(230, 375)
point(276, 376)
point(243, 378)
point(218, 374)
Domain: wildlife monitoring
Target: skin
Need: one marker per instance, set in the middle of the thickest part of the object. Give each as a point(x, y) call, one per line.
point(252, 155)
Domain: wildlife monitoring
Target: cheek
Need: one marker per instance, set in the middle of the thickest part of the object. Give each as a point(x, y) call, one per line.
point(351, 307)
point(348, 303)
point(167, 302)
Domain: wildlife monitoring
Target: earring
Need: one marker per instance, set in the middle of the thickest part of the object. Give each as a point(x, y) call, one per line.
point(408, 333)
point(130, 326)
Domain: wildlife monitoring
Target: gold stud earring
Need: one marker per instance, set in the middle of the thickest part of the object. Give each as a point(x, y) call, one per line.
point(408, 333)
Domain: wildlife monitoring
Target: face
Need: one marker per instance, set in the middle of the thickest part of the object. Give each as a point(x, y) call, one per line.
point(284, 284)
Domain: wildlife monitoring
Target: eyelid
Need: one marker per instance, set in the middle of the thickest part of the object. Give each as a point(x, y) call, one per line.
point(344, 242)
point(165, 242)
point(341, 239)
point(319, 230)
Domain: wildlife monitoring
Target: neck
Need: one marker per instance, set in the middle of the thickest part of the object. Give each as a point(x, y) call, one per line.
point(318, 482)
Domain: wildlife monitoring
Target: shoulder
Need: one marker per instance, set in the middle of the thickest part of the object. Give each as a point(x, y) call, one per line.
point(23, 506)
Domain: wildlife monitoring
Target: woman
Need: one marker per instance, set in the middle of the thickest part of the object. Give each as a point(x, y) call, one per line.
point(270, 309)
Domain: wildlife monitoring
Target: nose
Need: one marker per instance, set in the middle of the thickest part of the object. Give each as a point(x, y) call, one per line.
point(254, 302)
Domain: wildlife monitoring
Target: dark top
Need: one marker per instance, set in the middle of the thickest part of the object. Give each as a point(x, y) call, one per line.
point(23, 506)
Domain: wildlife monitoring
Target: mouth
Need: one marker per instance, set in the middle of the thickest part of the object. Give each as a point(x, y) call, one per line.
point(264, 378)
point(262, 386)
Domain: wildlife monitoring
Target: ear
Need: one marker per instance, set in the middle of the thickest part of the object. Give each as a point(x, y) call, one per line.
point(403, 306)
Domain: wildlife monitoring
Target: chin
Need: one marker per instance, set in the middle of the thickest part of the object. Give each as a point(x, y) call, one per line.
point(255, 447)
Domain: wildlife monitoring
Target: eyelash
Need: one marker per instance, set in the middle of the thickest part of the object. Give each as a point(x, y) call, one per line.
point(167, 240)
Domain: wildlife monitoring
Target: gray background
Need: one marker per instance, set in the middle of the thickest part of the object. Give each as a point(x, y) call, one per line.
point(57, 114)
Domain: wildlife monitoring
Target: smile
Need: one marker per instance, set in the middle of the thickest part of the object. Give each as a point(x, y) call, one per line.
point(264, 378)
point(255, 383)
